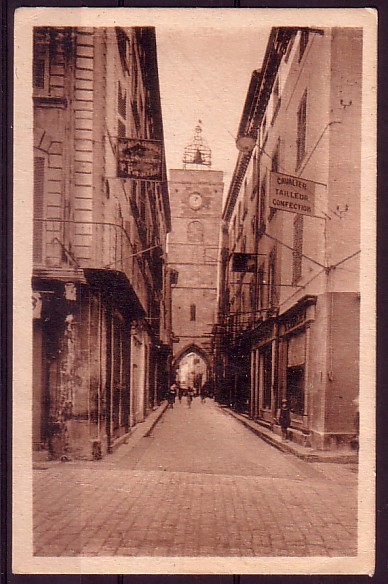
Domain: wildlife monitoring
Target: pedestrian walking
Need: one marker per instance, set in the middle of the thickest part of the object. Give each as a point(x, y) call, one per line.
point(171, 396)
point(204, 392)
point(190, 393)
point(284, 419)
point(180, 392)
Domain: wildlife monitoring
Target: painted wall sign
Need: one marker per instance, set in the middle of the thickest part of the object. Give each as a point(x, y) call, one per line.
point(139, 159)
point(291, 193)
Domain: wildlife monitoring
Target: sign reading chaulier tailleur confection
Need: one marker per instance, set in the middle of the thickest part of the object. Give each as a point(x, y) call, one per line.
point(291, 193)
point(139, 159)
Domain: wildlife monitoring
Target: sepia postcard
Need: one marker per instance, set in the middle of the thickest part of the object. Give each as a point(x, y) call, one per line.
point(194, 291)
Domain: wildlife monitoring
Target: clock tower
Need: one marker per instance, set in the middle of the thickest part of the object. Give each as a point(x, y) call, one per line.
point(196, 206)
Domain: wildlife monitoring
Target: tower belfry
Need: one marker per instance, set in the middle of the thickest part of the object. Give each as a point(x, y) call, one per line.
point(197, 153)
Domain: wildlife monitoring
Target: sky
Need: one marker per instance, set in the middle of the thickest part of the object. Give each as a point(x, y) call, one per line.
point(204, 74)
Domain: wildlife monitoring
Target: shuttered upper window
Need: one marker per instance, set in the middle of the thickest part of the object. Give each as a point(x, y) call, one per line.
point(301, 131)
point(298, 249)
point(193, 312)
point(38, 208)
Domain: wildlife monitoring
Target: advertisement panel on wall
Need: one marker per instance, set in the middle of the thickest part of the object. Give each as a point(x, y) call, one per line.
point(139, 159)
point(291, 193)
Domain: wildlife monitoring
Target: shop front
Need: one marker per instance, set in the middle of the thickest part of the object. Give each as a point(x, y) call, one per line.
point(294, 369)
point(264, 386)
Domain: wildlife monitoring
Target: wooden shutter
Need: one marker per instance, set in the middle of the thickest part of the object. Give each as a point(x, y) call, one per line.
point(38, 209)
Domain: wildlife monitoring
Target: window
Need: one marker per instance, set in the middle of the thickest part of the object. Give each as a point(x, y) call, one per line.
point(272, 284)
point(121, 129)
point(136, 116)
point(301, 131)
point(261, 299)
point(295, 389)
point(298, 249)
point(193, 312)
point(40, 44)
point(123, 48)
point(195, 232)
point(142, 201)
point(275, 158)
point(252, 300)
point(274, 168)
point(264, 129)
point(38, 73)
point(289, 48)
point(233, 242)
point(255, 176)
point(304, 39)
point(121, 101)
point(276, 100)
point(267, 377)
point(263, 193)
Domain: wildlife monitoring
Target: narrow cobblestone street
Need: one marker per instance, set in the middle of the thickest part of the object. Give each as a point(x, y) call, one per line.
point(200, 484)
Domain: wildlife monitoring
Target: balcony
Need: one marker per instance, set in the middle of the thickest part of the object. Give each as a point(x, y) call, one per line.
point(65, 249)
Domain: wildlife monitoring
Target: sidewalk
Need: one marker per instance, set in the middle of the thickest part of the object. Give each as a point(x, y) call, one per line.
point(306, 453)
point(141, 430)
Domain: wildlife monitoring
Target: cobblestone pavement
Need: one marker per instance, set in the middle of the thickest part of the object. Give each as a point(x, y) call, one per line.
point(201, 484)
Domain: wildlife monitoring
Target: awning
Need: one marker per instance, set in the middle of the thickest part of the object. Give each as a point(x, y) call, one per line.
point(115, 284)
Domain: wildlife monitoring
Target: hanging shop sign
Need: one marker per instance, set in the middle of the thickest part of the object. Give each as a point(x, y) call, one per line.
point(139, 159)
point(291, 193)
point(243, 262)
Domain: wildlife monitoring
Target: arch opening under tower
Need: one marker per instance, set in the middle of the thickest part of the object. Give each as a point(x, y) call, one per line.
point(192, 368)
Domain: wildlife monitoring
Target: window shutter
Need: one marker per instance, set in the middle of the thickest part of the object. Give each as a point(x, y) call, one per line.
point(38, 209)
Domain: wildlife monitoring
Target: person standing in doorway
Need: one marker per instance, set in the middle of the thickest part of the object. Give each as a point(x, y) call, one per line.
point(285, 419)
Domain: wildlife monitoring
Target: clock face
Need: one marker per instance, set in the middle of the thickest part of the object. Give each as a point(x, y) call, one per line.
point(195, 201)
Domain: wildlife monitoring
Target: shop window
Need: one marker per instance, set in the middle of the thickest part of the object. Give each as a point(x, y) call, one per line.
point(193, 312)
point(267, 377)
point(301, 131)
point(295, 389)
point(298, 249)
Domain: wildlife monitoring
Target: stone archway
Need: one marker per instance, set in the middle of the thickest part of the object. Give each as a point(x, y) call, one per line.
point(192, 366)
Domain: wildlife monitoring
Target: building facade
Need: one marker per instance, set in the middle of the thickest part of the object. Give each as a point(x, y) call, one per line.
point(289, 304)
point(100, 285)
point(196, 203)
